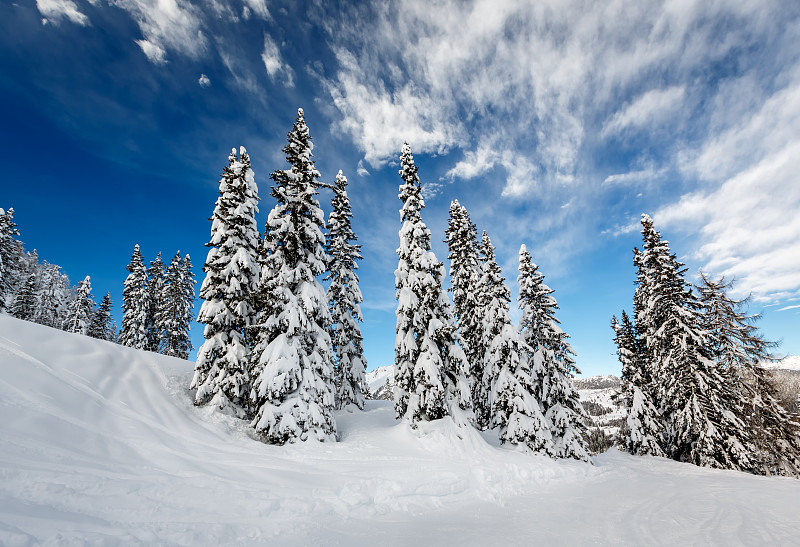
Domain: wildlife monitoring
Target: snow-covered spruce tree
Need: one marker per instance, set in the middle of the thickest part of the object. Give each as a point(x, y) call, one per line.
point(10, 256)
point(26, 302)
point(512, 405)
point(739, 350)
point(344, 299)
point(491, 295)
point(176, 311)
point(430, 366)
point(81, 311)
point(551, 362)
point(100, 326)
point(465, 275)
point(696, 402)
point(155, 290)
point(49, 300)
point(135, 304)
point(221, 372)
point(642, 434)
point(292, 361)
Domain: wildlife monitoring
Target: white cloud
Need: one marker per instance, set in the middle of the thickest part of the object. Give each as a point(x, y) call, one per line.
point(535, 75)
point(154, 53)
point(166, 25)
point(362, 171)
point(651, 108)
point(204, 81)
point(271, 56)
point(640, 176)
point(259, 7)
point(786, 308)
point(748, 227)
point(55, 10)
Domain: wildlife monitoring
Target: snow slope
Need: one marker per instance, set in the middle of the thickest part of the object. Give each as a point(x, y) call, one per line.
point(101, 445)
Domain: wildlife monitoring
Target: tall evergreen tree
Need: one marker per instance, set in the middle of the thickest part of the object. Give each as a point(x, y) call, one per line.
point(492, 297)
point(10, 256)
point(176, 312)
point(739, 350)
point(101, 322)
point(232, 273)
point(344, 299)
point(430, 367)
point(552, 363)
point(81, 311)
point(155, 296)
point(26, 301)
point(465, 276)
point(135, 304)
point(507, 381)
point(694, 398)
point(292, 361)
point(642, 434)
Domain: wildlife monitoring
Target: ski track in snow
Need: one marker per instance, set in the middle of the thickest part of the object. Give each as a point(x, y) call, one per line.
point(101, 445)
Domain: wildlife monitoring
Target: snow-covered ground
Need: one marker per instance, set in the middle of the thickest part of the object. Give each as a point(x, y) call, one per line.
point(101, 445)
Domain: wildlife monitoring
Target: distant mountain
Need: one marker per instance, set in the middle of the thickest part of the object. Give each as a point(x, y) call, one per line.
point(595, 393)
point(379, 383)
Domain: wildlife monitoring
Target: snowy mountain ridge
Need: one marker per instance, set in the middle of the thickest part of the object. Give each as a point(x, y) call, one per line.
point(105, 447)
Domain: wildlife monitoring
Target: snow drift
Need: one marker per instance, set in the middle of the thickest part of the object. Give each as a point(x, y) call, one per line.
point(100, 444)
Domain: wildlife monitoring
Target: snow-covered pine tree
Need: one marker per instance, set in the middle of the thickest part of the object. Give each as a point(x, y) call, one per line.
point(135, 304)
point(739, 350)
point(26, 301)
point(176, 311)
point(10, 256)
point(232, 273)
point(696, 402)
point(642, 434)
point(101, 322)
point(465, 275)
point(492, 295)
point(155, 296)
point(430, 366)
point(344, 299)
point(507, 381)
point(81, 310)
point(292, 361)
point(552, 363)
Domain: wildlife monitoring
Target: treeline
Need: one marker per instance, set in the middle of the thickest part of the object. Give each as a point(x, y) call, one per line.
point(37, 291)
point(692, 381)
point(158, 301)
point(283, 353)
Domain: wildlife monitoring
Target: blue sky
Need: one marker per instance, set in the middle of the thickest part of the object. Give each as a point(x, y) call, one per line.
point(556, 123)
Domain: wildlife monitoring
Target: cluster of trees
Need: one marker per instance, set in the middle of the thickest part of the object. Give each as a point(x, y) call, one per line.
point(158, 305)
point(469, 361)
point(692, 381)
point(279, 349)
point(284, 353)
point(37, 291)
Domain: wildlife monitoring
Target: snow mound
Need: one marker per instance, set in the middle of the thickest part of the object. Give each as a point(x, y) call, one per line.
point(101, 444)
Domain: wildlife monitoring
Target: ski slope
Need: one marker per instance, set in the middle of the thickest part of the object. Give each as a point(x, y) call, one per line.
point(101, 445)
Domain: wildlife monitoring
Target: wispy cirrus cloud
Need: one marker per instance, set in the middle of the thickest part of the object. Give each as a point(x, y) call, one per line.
point(651, 108)
point(273, 62)
point(747, 218)
point(53, 11)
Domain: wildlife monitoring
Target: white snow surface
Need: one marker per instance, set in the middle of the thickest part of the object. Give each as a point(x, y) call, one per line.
point(791, 362)
point(101, 445)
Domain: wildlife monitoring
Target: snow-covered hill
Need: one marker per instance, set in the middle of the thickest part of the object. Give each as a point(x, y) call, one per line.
point(101, 445)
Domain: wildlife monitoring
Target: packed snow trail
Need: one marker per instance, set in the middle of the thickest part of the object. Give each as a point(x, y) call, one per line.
point(100, 444)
